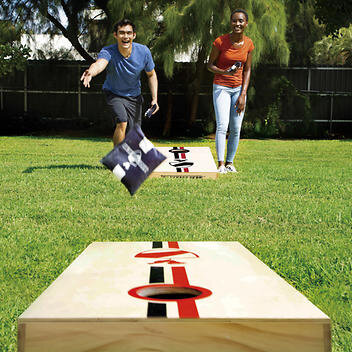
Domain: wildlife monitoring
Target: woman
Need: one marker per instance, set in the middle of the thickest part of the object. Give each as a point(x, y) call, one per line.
point(230, 86)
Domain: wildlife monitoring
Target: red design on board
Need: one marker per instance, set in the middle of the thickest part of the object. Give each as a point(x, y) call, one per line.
point(173, 245)
point(187, 307)
point(167, 261)
point(162, 254)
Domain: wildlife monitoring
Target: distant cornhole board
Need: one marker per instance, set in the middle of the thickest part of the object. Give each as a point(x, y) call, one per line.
point(171, 296)
point(191, 162)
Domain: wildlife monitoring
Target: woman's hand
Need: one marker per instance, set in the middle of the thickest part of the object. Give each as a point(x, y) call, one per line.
point(230, 73)
point(240, 104)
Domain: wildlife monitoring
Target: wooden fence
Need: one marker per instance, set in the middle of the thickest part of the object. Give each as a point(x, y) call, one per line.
point(54, 90)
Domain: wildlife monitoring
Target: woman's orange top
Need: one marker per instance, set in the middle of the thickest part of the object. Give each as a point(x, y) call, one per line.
point(228, 56)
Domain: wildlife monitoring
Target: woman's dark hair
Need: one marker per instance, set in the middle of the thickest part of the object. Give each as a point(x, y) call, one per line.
point(122, 23)
point(239, 10)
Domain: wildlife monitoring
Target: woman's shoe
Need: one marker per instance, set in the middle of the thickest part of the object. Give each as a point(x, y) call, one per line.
point(230, 168)
point(222, 169)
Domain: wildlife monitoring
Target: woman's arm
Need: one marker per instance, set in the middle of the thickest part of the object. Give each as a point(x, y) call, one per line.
point(241, 102)
point(214, 55)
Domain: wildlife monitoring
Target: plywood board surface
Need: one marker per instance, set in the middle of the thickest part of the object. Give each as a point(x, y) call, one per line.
point(97, 284)
point(193, 162)
point(171, 296)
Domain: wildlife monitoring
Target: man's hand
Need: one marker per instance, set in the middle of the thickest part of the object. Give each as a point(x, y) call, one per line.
point(153, 86)
point(157, 106)
point(86, 78)
point(94, 69)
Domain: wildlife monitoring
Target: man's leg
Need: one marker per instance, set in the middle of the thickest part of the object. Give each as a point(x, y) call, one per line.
point(119, 133)
point(133, 108)
point(127, 112)
point(119, 116)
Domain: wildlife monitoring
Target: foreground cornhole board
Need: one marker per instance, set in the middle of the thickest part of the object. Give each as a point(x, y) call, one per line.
point(112, 298)
point(191, 162)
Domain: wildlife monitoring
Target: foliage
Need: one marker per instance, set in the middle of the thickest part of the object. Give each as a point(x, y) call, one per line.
point(190, 27)
point(8, 32)
point(334, 14)
point(44, 16)
point(290, 204)
point(177, 22)
point(193, 25)
point(13, 55)
point(334, 51)
point(143, 13)
point(274, 101)
point(303, 30)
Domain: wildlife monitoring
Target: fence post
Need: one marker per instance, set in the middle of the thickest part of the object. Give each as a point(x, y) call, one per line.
point(309, 79)
point(25, 93)
point(2, 98)
point(331, 110)
point(79, 92)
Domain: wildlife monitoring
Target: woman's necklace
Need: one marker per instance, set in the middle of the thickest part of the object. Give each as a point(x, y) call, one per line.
point(238, 43)
point(233, 42)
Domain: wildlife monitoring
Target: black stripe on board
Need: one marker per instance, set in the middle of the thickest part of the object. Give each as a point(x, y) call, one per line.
point(156, 310)
point(157, 245)
point(156, 274)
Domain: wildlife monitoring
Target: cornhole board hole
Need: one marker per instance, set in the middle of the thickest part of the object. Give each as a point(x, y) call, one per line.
point(191, 162)
point(171, 296)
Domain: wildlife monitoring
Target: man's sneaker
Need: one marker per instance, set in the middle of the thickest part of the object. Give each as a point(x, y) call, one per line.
point(222, 169)
point(230, 168)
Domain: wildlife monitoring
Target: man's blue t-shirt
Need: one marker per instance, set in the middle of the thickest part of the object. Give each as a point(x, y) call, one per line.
point(123, 75)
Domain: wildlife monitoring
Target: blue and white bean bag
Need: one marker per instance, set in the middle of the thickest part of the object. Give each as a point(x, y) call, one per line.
point(133, 160)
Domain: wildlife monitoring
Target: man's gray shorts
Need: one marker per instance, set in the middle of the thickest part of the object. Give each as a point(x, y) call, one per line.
point(125, 109)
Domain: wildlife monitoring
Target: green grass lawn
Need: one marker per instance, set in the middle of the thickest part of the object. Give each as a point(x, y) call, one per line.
point(290, 204)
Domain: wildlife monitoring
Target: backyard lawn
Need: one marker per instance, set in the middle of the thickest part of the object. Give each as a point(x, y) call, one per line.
point(290, 204)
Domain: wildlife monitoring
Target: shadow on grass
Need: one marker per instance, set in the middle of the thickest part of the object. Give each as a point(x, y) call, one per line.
point(66, 136)
point(29, 170)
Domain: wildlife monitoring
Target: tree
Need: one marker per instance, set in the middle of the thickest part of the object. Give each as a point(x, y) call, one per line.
point(303, 30)
point(44, 15)
point(143, 13)
point(334, 14)
point(334, 51)
point(13, 55)
point(193, 25)
point(169, 27)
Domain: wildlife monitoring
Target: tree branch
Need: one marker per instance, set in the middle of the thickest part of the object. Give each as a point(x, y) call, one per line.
point(66, 9)
point(72, 37)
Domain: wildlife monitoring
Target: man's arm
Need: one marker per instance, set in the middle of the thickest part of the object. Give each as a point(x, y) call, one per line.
point(94, 69)
point(153, 86)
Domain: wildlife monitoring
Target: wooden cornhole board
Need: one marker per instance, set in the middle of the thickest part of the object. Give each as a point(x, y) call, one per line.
point(191, 162)
point(171, 296)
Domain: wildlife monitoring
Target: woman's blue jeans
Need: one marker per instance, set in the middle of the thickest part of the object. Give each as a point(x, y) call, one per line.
point(227, 118)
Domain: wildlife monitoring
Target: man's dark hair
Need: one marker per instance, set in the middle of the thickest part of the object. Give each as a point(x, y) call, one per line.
point(239, 10)
point(122, 23)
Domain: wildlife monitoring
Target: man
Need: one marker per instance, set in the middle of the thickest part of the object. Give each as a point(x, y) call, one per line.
point(124, 62)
